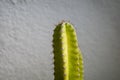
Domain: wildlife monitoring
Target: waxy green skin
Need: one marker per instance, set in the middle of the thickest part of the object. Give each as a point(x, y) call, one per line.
point(68, 62)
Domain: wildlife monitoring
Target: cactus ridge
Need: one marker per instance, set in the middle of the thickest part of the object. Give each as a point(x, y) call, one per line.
point(68, 62)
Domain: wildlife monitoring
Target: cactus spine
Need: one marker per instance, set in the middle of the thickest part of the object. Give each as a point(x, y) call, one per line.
point(68, 62)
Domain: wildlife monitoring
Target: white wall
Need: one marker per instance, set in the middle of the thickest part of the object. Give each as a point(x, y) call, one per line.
point(26, 28)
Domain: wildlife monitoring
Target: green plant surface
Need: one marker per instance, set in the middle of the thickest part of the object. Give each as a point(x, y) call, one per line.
point(68, 62)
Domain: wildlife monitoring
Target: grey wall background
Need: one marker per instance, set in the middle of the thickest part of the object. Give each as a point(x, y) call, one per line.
point(26, 28)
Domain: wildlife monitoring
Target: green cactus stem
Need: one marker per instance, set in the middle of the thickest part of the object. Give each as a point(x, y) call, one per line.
point(68, 62)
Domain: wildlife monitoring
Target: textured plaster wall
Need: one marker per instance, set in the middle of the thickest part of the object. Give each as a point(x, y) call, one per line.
point(26, 28)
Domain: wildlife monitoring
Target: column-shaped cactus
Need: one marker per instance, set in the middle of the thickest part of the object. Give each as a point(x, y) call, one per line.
point(68, 62)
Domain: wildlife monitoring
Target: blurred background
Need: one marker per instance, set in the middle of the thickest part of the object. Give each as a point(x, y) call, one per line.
point(26, 28)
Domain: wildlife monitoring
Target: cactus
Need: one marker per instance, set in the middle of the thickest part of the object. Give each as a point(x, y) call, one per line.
point(68, 62)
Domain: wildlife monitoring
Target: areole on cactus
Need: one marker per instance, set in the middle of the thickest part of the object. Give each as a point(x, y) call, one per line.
point(68, 61)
